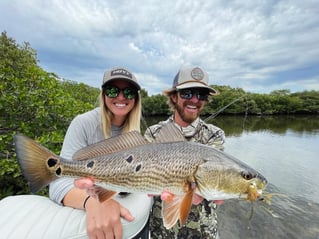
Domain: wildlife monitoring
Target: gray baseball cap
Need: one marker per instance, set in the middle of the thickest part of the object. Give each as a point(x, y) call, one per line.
point(120, 73)
point(191, 77)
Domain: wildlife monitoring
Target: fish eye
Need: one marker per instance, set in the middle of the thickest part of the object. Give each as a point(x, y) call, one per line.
point(247, 175)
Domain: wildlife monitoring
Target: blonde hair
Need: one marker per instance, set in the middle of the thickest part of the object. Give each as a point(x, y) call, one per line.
point(171, 103)
point(132, 121)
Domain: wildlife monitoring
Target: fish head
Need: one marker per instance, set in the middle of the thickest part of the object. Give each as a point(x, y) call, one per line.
point(226, 177)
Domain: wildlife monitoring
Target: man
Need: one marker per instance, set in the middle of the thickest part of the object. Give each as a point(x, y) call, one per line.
point(187, 97)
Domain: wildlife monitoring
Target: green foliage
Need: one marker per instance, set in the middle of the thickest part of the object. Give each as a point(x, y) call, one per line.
point(309, 101)
point(155, 105)
point(34, 103)
point(227, 95)
point(236, 101)
point(144, 93)
point(277, 102)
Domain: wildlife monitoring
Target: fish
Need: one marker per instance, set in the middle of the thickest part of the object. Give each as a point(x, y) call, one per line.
point(129, 163)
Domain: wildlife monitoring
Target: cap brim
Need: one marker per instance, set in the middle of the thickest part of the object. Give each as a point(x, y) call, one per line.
point(125, 79)
point(212, 91)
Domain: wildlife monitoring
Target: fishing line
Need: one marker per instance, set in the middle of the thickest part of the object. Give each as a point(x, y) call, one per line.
point(213, 115)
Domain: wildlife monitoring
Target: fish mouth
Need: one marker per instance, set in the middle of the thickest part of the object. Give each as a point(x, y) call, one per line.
point(248, 195)
point(259, 192)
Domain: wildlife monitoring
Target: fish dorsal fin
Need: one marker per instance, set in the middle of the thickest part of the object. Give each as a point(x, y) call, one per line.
point(178, 207)
point(111, 145)
point(169, 133)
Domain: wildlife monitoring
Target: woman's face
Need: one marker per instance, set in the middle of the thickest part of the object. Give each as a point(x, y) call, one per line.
point(120, 106)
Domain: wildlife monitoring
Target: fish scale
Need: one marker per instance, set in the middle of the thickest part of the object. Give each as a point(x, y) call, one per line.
point(157, 170)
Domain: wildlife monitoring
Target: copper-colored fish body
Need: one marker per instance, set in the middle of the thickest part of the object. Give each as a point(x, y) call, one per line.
point(128, 163)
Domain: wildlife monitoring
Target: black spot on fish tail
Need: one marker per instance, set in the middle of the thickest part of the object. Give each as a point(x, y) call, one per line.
point(52, 162)
point(129, 159)
point(90, 164)
point(138, 167)
point(58, 171)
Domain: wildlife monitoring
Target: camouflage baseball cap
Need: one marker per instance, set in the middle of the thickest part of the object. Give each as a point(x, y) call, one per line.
point(120, 73)
point(191, 77)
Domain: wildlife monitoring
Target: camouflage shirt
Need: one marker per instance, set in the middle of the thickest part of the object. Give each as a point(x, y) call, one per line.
point(202, 219)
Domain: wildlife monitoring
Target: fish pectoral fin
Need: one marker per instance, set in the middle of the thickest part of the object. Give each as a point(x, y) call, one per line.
point(171, 211)
point(103, 194)
point(177, 208)
point(186, 206)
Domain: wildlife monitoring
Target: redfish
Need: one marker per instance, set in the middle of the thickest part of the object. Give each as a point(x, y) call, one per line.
point(128, 163)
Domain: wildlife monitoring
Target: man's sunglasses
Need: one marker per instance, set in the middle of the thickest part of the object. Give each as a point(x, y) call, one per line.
point(187, 94)
point(113, 92)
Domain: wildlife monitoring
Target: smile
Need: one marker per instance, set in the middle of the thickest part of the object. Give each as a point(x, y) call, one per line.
point(120, 105)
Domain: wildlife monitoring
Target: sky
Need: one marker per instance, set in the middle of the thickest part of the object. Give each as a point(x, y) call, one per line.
point(256, 45)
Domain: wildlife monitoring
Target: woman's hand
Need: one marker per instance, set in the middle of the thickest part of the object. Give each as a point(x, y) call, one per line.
point(103, 219)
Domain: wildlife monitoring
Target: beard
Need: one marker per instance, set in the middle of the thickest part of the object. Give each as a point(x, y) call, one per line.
point(188, 117)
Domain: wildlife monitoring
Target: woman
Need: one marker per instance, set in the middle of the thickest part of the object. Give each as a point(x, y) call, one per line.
point(119, 111)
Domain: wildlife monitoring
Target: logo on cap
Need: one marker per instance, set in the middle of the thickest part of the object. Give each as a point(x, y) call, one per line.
point(121, 72)
point(197, 74)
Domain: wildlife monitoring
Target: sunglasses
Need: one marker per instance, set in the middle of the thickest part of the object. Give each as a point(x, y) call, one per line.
point(113, 92)
point(188, 94)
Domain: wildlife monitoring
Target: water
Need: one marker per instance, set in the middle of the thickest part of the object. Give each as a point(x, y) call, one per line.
point(285, 149)
point(289, 161)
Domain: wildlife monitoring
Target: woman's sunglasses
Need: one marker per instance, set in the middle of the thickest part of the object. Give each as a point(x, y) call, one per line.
point(187, 94)
point(113, 92)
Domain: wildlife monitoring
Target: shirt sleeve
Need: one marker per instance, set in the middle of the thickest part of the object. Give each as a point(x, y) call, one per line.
point(151, 132)
point(215, 137)
point(148, 135)
point(75, 139)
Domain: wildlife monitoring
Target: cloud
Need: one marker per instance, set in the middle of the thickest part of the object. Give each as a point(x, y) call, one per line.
point(256, 45)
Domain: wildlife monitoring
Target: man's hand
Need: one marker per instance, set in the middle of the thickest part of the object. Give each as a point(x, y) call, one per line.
point(86, 184)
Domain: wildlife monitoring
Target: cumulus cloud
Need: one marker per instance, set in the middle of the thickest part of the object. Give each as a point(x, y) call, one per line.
point(256, 45)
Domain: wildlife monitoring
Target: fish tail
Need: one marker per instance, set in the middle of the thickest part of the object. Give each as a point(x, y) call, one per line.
point(39, 165)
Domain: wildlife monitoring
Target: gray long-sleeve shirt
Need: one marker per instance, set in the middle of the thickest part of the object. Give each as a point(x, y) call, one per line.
point(85, 129)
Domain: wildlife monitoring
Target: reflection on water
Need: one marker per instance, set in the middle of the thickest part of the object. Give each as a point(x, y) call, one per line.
point(285, 150)
point(286, 217)
point(236, 125)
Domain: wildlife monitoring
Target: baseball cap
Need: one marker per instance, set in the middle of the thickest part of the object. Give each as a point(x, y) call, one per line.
point(191, 77)
point(120, 73)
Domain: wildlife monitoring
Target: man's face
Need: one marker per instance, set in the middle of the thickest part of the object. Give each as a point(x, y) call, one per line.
point(189, 109)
